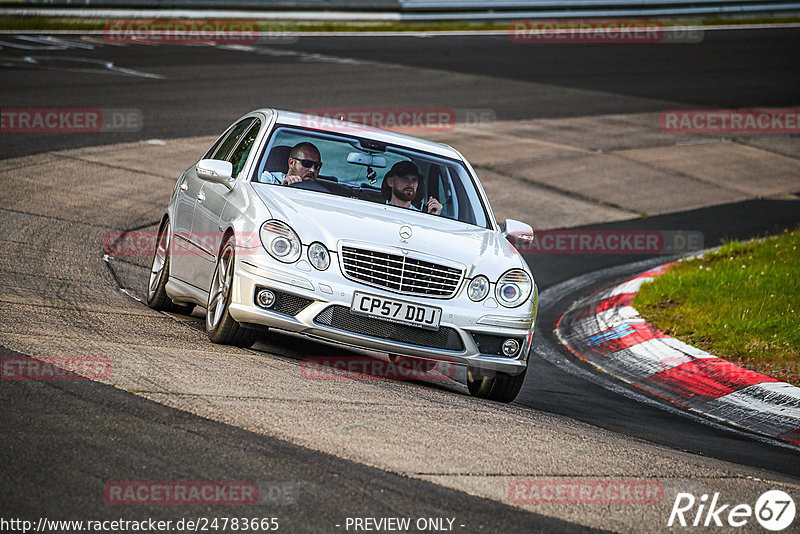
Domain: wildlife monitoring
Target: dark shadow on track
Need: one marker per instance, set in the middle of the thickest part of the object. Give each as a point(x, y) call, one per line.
point(63, 441)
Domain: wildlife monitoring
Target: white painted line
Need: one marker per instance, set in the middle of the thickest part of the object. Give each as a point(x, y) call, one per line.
point(631, 286)
point(680, 346)
point(619, 315)
point(772, 407)
point(656, 356)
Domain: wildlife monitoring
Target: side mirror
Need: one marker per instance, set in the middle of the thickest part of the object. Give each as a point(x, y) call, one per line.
point(519, 234)
point(214, 170)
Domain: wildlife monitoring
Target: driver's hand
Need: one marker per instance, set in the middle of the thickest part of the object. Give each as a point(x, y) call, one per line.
point(291, 180)
point(434, 206)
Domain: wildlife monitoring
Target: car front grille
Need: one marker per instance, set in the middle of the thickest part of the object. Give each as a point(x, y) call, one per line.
point(341, 318)
point(290, 304)
point(400, 273)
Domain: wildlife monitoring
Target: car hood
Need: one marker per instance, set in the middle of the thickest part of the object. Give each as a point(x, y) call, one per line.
point(331, 219)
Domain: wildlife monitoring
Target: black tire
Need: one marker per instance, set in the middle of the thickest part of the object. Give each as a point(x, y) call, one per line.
point(220, 326)
point(494, 385)
point(157, 297)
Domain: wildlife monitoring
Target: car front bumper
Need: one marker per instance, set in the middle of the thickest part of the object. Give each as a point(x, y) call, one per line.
point(463, 322)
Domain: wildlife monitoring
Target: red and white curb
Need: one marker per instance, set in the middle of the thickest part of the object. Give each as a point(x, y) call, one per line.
point(605, 330)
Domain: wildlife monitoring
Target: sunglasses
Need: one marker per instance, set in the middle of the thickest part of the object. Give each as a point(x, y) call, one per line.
point(308, 163)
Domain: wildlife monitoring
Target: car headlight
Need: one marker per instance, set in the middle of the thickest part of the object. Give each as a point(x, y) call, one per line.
point(280, 241)
point(513, 288)
point(319, 256)
point(478, 288)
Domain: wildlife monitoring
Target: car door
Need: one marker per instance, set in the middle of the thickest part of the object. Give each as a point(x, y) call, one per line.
point(183, 247)
point(211, 200)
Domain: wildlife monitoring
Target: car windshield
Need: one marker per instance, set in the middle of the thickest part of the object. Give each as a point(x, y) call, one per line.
point(356, 168)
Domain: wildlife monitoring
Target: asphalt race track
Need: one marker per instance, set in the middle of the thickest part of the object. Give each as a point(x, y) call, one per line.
point(205, 86)
point(61, 442)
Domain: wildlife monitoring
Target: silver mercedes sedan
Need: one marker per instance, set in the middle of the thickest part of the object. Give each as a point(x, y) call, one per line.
point(350, 234)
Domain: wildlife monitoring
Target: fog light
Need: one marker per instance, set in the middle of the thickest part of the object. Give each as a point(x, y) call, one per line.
point(265, 298)
point(510, 347)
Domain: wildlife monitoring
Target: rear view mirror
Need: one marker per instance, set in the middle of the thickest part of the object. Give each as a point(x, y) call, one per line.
point(368, 160)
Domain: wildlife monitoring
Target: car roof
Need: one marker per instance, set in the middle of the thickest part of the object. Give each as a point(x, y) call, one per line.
point(327, 124)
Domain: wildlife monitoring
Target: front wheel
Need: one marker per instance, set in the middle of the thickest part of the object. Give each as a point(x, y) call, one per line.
point(220, 326)
point(157, 297)
point(494, 385)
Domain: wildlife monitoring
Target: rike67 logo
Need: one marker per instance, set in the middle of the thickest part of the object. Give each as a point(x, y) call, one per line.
point(774, 510)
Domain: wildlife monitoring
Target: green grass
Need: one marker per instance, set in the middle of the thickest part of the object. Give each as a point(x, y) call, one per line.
point(42, 23)
point(741, 303)
point(31, 23)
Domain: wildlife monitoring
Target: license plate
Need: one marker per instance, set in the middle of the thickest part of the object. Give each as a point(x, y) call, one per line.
point(396, 311)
